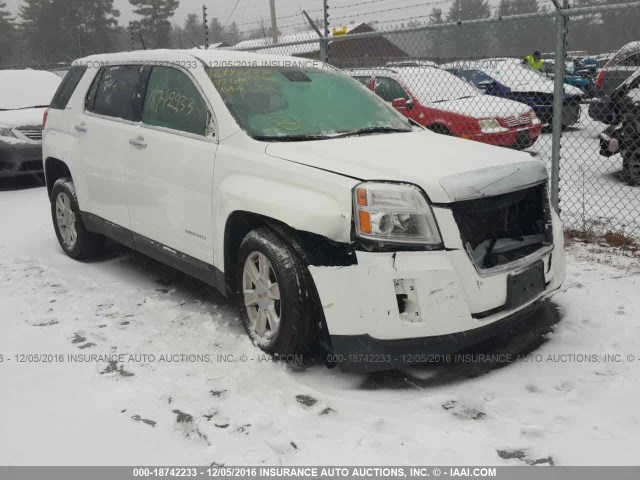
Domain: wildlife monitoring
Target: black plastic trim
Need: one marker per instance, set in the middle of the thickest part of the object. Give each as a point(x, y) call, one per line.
point(187, 264)
point(363, 353)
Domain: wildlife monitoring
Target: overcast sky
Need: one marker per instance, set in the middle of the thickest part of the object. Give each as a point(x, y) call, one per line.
point(255, 10)
point(341, 11)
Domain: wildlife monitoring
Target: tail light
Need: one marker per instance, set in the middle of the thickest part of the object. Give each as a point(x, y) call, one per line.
point(44, 118)
point(599, 79)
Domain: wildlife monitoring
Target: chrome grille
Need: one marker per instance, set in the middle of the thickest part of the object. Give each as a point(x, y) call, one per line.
point(516, 121)
point(31, 133)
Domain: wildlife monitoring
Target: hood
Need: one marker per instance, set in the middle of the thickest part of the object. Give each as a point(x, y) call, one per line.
point(482, 106)
point(544, 87)
point(29, 117)
point(27, 88)
point(448, 169)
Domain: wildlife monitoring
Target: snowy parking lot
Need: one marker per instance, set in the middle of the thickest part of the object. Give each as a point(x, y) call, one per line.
point(187, 386)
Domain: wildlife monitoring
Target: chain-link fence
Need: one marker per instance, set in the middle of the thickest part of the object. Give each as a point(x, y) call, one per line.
point(480, 80)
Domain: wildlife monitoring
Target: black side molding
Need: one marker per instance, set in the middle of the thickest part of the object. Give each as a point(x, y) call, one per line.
point(187, 264)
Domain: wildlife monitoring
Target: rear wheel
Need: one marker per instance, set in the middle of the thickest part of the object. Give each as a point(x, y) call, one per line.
point(76, 241)
point(275, 300)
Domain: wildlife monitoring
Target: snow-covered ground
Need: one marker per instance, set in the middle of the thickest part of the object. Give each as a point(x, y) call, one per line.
point(551, 408)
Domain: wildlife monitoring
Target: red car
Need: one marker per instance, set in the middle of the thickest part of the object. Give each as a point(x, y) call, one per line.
point(444, 103)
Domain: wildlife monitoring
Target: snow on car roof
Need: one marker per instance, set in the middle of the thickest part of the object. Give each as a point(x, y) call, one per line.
point(27, 88)
point(631, 46)
point(428, 83)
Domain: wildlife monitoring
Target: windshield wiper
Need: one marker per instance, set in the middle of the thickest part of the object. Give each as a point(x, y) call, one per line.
point(22, 108)
point(372, 130)
point(290, 138)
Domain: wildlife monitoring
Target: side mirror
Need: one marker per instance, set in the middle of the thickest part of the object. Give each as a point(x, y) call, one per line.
point(402, 103)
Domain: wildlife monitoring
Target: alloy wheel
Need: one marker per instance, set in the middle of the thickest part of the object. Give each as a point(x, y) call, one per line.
point(261, 295)
point(66, 220)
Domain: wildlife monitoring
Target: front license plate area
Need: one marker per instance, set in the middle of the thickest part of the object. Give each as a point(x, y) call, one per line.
point(523, 138)
point(525, 285)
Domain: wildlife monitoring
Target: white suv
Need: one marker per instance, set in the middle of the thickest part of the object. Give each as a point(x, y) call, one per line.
point(287, 184)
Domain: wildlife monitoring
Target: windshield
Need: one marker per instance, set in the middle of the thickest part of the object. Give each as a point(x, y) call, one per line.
point(27, 88)
point(278, 103)
point(432, 85)
point(512, 73)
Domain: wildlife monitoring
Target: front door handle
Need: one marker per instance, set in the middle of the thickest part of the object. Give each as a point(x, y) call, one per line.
point(82, 128)
point(138, 142)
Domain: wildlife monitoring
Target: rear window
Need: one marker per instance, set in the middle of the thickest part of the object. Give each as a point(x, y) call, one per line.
point(116, 92)
point(389, 89)
point(67, 87)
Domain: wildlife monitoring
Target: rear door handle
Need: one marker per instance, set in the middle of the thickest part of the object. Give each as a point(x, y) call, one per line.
point(81, 128)
point(138, 142)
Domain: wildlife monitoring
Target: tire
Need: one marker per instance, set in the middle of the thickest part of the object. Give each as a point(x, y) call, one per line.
point(295, 330)
point(64, 204)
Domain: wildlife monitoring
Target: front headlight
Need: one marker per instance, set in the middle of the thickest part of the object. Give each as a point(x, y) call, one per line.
point(394, 213)
point(534, 117)
point(490, 125)
point(6, 132)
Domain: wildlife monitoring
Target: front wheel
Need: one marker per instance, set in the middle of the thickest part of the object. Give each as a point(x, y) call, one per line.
point(76, 241)
point(275, 295)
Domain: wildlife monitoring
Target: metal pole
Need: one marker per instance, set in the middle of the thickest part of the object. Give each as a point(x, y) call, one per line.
point(313, 25)
point(558, 101)
point(80, 46)
point(132, 37)
point(274, 21)
point(206, 27)
point(324, 43)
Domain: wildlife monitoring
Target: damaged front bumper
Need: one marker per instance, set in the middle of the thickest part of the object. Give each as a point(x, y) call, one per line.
point(392, 306)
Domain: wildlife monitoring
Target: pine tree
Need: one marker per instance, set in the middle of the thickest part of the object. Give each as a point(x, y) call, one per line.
point(101, 30)
point(7, 34)
point(435, 36)
point(194, 30)
point(232, 35)
point(468, 10)
point(469, 41)
point(216, 31)
point(62, 30)
point(155, 24)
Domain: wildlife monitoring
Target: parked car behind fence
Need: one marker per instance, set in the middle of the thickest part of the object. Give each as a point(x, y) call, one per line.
point(24, 97)
point(508, 78)
point(445, 104)
point(610, 77)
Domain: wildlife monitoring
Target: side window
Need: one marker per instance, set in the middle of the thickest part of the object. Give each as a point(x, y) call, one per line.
point(389, 89)
point(173, 101)
point(67, 87)
point(631, 60)
point(115, 92)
